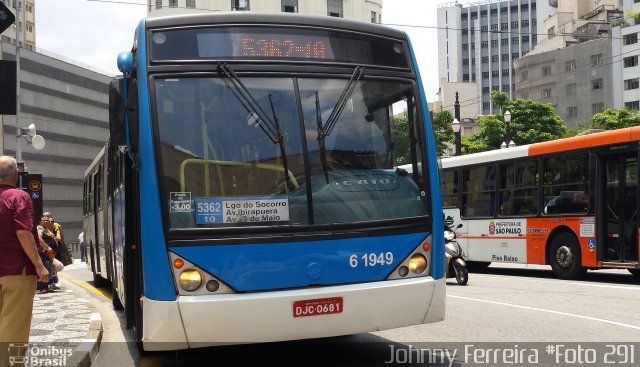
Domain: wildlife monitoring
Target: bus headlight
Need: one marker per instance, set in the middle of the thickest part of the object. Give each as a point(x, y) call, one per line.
point(418, 263)
point(190, 280)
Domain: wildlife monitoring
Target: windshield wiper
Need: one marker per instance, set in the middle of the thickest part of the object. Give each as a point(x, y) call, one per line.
point(270, 128)
point(323, 152)
point(358, 73)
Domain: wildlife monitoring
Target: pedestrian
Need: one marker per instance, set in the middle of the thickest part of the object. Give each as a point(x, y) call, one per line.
point(83, 247)
point(48, 241)
point(20, 264)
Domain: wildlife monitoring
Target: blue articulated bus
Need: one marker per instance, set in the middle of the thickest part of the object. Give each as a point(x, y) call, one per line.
point(251, 191)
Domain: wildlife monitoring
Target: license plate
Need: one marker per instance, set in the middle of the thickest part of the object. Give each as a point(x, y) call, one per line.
point(315, 307)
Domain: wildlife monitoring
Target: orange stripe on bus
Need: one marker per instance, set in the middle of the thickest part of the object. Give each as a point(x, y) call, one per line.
point(579, 142)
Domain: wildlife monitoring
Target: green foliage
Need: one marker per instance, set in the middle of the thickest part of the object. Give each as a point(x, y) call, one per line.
point(442, 129)
point(401, 138)
point(531, 122)
point(613, 119)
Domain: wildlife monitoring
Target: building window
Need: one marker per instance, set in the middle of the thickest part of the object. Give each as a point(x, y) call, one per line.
point(505, 72)
point(524, 23)
point(494, 43)
point(495, 73)
point(465, 47)
point(504, 26)
point(551, 32)
point(514, 40)
point(240, 5)
point(534, 22)
point(29, 27)
point(514, 24)
point(505, 88)
point(494, 27)
point(504, 41)
point(524, 75)
point(570, 65)
point(485, 90)
point(630, 39)
point(515, 55)
point(334, 8)
point(495, 87)
point(485, 75)
point(570, 89)
point(505, 57)
point(495, 58)
point(485, 59)
point(525, 39)
point(484, 44)
point(631, 84)
point(546, 93)
point(374, 17)
point(173, 3)
point(486, 106)
point(597, 108)
point(191, 4)
point(546, 70)
point(465, 62)
point(484, 28)
point(572, 111)
point(29, 8)
point(465, 77)
point(597, 83)
point(633, 105)
point(596, 60)
point(158, 4)
point(631, 61)
point(291, 6)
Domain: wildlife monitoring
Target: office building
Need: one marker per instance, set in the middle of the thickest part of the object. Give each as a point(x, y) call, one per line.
point(479, 42)
point(363, 10)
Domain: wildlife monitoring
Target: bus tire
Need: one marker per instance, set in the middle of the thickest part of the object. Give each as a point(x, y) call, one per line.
point(115, 300)
point(565, 257)
point(98, 281)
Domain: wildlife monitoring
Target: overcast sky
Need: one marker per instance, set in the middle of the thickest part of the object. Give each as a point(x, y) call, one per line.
point(94, 32)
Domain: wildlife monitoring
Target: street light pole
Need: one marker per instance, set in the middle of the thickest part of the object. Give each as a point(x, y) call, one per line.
point(507, 121)
point(456, 125)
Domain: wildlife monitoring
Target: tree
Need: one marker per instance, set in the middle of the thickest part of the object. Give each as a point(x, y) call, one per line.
point(612, 119)
point(401, 138)
point(442, 129)
point(531, 122)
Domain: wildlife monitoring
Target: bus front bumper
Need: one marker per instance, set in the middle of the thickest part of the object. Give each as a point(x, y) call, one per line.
point(201, 321)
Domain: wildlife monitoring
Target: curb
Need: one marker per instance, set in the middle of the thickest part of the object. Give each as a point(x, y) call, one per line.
point(85, 351)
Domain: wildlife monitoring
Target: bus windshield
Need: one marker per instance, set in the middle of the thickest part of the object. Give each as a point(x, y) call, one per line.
point(250, 151)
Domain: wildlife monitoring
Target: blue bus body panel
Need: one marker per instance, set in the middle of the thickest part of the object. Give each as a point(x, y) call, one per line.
point(157, 279)
point(266, 266)
point(438, 267)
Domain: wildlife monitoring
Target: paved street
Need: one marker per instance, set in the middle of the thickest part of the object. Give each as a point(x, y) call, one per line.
point(505, 304)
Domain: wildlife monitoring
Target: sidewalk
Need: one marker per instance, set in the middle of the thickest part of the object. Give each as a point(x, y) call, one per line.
point(66, 329)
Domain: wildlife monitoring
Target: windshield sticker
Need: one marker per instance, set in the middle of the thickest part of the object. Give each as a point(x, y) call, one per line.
point(212, 210)
point(180, 202)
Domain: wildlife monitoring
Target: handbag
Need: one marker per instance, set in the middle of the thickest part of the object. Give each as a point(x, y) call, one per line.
point(57, 265)
point(63, 254)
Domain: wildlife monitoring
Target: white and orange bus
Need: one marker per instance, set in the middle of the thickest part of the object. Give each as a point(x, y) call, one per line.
point(570, 203)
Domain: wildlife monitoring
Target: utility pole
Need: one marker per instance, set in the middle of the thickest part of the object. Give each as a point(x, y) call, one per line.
point(18, 129)
point(458, 133)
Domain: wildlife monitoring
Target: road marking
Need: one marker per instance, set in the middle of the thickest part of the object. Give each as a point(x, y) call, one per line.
point(548, 311)
point(88, 287)
point(558, 281)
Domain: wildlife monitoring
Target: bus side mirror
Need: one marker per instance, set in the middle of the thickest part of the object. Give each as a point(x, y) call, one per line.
point(118, 111)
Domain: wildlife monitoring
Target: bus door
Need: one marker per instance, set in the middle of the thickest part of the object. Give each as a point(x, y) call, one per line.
point(619, 210)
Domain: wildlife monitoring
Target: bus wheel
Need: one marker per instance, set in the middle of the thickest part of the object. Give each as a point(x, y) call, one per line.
point(635, 273)
point(565, 257)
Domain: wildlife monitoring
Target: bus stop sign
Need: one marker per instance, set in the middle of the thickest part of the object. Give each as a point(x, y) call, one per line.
point(6, 17)
point(32, 184)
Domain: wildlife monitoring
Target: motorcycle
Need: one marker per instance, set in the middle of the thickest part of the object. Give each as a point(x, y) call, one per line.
point(456, 266)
